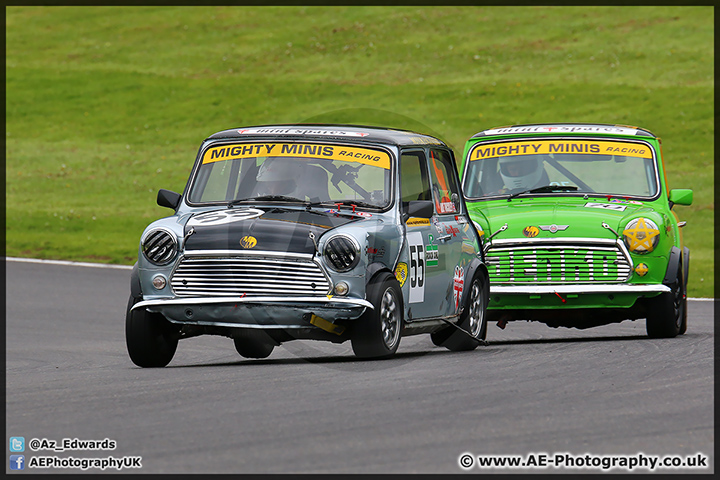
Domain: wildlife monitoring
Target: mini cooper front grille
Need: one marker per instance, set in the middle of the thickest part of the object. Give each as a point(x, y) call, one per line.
point(284, 276)
point(557, 263)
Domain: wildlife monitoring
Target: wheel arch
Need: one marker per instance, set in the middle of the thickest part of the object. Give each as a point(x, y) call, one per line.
point(673, 264)
point(374, 269)
point(135, 288)
point(475, 266)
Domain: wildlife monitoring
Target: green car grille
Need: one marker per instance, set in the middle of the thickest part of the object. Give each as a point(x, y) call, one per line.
point(553, 262)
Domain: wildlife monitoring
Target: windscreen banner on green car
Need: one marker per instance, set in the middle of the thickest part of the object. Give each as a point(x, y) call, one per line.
point(546, 147)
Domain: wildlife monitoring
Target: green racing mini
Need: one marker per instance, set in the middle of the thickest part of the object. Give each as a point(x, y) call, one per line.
point(578, 226)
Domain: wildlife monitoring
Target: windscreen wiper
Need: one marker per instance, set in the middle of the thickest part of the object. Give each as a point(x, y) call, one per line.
point(545, 189)
point(274, 198)
point(349, 203)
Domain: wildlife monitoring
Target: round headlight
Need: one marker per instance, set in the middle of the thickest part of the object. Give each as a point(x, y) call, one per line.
point(159, 282)
point(342, 289)
point(342, 253)
point(641, 235)
point(160, 246)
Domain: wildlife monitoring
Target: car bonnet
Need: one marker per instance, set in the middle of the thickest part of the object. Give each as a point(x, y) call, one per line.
point(274, 229)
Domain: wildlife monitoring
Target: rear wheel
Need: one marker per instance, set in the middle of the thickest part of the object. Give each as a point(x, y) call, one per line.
point(473, 321)
point(376, 334)
point(151, 339)
point(667, 313)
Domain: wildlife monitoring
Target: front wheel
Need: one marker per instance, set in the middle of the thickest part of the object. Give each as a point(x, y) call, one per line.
point(472, 321)
point(667, 313)
point(376, 334)
point(151, 339)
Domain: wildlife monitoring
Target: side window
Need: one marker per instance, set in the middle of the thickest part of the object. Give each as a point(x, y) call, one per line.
point(414, 183)
point(446, 193)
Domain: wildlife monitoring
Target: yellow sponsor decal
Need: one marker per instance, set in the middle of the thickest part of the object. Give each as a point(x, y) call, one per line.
point(248, 242)
point(417, 222)
point(531, 231)
point(401, 273)
point(366, 156)
point(545, 147)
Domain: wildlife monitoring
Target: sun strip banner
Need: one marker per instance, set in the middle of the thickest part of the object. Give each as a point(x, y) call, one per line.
point(545, 147)
point(367, 156)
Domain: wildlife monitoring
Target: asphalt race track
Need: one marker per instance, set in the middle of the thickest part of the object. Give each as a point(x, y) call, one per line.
point(311, 407)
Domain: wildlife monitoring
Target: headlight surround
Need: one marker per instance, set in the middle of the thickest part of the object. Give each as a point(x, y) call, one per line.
point(160, 246)
point(641, 235)
point(341, 253)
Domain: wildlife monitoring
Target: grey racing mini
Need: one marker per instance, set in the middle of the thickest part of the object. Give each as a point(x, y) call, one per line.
point(324, 232)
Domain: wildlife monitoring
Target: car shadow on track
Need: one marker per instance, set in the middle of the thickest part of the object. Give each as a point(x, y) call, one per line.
point(351, 362)
point(347, 361)
point(529, 341)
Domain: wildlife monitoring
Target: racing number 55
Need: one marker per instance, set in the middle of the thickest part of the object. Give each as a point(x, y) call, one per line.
point(417, 267)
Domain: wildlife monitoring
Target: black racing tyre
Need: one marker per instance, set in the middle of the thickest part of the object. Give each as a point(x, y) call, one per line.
point(473, 320)
point(151, 339)
point(250, 345)
point(667, 313)
point(376, 334)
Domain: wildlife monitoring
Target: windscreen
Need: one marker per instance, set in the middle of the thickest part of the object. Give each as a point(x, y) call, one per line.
point(603, 167)
point(293, 172)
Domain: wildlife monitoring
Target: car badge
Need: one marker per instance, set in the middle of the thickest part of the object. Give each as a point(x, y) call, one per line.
point(531, 231)
point(401, 273)
point(553, 228)
point(248, 242)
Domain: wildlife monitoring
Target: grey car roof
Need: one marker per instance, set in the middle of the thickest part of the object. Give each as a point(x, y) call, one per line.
point(333, 132)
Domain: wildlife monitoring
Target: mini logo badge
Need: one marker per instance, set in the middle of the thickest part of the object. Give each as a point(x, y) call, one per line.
point(553, 228)
point(248, 242)
point(531, 231)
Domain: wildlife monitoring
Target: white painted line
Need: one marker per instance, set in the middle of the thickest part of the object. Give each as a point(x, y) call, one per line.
point(74, 264)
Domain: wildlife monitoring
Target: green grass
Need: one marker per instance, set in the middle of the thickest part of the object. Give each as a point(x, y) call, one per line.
point(105, 105)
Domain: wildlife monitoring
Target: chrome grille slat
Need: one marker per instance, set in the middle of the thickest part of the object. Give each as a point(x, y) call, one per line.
point(568, 262)
point(285, 276)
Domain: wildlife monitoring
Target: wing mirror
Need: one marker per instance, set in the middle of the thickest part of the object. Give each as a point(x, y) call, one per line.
point(169, 199)
point(418, 208)
point(681, 196)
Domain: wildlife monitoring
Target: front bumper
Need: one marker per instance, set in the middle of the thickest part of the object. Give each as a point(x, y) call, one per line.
point(576, 289)
point(262, 312)
point(577, 296)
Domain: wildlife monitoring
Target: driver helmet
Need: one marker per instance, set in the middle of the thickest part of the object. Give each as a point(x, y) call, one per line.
point(279, 174)
point(521, 171)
